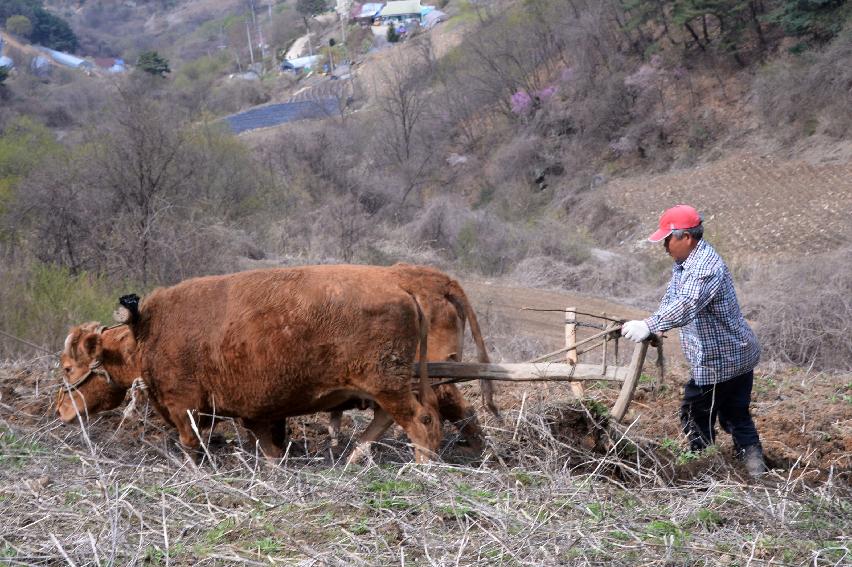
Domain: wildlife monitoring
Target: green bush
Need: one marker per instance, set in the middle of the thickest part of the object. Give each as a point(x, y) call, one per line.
point(820, 20)
point(153, 63)
point(393, 36)
point(203, 70)
point(43, 301)
point(19, 25)
point(23, 145)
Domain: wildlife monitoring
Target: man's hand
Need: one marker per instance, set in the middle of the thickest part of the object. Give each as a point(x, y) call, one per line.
point(636, 331)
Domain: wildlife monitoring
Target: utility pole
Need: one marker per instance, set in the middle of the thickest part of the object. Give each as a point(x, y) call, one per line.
point(248, 34)
point(260, 40)
point(308, 35)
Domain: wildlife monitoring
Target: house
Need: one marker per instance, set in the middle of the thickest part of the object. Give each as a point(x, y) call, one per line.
point(110, 65)
point(368, 13)
point(299, 63)
point(67, 60)
point(433, 18)
point(401, 11)
point(4, 60)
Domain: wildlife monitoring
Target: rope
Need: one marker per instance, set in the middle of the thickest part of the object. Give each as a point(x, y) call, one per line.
point(138, 384)
point(26, 342)
point(595, 315)
point(589, 325)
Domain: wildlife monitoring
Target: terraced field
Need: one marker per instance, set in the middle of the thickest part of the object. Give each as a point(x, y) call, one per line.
point(754, 207)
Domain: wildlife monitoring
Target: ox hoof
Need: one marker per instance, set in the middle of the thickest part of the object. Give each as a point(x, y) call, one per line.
point(359, 454)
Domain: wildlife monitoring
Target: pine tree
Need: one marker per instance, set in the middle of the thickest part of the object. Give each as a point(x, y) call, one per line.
point(393, 37)
point(153, 63)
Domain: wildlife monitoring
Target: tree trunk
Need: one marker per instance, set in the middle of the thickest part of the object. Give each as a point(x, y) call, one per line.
point(694, 35)
point(753, 9)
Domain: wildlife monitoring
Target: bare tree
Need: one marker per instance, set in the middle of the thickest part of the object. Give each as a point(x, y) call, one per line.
point(403, 104)
point(405, 141)
point(144, 166)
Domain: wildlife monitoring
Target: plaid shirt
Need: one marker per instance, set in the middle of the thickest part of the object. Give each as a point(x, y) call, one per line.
point(716, 340)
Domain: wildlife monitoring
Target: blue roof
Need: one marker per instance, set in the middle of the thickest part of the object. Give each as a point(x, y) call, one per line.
point(66, 58)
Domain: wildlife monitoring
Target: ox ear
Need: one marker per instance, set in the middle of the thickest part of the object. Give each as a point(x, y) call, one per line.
point(91, 345)
point(121, 315)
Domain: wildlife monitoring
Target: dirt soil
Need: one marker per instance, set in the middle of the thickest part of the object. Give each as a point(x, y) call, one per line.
point(804, 418)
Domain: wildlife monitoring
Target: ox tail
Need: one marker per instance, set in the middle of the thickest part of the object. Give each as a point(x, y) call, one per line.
point(427, 394)
point(458, 298)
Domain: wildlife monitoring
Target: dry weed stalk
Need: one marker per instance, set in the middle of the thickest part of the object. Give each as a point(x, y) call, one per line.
point(557, 483)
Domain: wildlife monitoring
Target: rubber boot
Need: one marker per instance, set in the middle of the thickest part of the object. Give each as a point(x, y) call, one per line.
point(753, 457)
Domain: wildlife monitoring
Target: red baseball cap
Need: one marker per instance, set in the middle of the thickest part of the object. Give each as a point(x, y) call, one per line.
point(678, 217)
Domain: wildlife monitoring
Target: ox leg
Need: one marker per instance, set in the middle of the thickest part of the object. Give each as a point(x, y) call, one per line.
point(268, 434)
point(456, 409)
point(334, 418)
point(188, 439)
point(381, 422)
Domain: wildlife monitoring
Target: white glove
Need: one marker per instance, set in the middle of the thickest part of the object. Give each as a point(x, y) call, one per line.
point(636, 331)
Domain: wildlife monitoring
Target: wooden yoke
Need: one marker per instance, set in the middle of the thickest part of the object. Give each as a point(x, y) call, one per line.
point(544, 369)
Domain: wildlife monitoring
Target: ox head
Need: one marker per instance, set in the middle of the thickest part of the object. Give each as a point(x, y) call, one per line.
point(87, 386)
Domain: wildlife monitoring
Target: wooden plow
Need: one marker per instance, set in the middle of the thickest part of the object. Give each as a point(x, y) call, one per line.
point(549, 367)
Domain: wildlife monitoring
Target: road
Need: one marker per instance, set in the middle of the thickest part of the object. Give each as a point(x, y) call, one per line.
point(298, 48)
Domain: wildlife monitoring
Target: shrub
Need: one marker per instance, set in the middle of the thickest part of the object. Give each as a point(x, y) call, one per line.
point(801, 310)
point(42, 301)
point(477, 240)
point(810, 90)
point(19, 25)
point(393, 37)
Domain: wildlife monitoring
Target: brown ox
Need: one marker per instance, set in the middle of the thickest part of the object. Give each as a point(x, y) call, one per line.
point(266, 345)
point(447, 308)
point(442, 299)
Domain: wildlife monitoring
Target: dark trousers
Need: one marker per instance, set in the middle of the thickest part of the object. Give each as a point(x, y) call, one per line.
point(728, 401)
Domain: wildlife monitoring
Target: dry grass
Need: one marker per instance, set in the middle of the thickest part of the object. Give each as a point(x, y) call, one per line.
point(557, 484)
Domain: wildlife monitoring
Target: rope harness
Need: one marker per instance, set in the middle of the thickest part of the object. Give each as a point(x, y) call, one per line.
point(137, 386)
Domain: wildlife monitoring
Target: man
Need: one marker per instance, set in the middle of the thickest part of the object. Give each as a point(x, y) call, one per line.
point(718, 344)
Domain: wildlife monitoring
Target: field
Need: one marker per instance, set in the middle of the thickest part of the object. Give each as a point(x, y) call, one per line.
point(557, 484)
point(756, 208)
